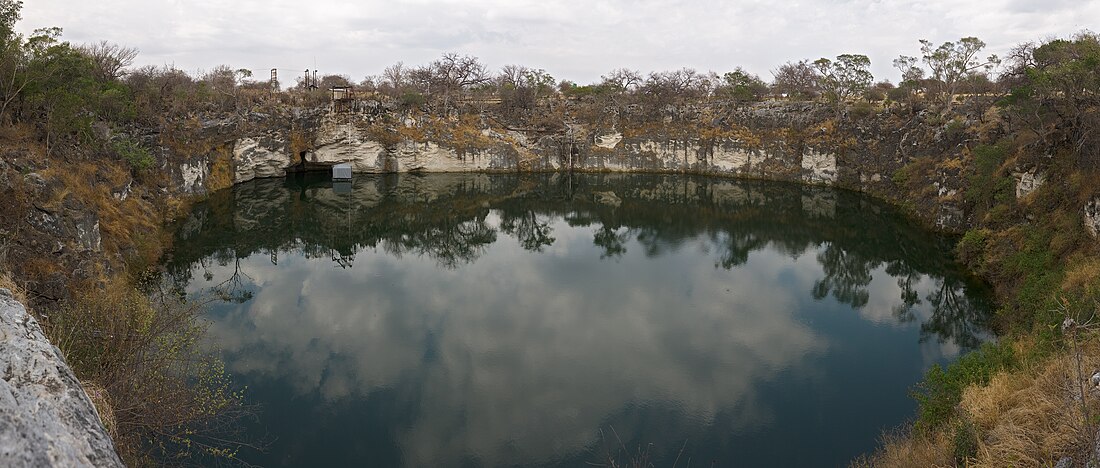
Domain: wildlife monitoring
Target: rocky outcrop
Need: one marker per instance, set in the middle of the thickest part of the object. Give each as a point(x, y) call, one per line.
point(1027, 182)
point(262, 156)
point(1092, 217)
point(345, 139)
point(818, 167)
point(343, 142)
point(46, 418)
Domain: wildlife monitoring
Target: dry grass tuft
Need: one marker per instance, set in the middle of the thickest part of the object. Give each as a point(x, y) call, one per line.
point(901, 448)
point(102, 402)
point(1082, 275)
point(1031, 418)
point(17, 290)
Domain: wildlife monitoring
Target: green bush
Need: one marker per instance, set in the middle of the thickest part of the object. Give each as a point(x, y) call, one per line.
point(412, 99)
point(862, 109)
point(954, 129)
point(168, 396)
point(965, 441)
point(987, 187)
point(137, 157)
point(939, 393)
point(971, 248)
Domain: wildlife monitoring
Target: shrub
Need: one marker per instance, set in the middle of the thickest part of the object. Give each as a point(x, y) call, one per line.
point(954, 129)
point(939, 393)
point(971, 248)
point(412, 100)
point(986, 186)
point(137, 157)
point(862, 109)
point(965, 441)
point(165, 392)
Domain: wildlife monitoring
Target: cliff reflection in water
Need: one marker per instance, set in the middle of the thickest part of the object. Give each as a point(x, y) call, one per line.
point(492, 320)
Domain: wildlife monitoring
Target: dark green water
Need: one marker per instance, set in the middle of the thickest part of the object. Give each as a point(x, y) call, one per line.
point(476, 320)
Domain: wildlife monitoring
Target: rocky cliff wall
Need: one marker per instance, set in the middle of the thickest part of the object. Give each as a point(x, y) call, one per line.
point(46, 418)
point(790, 142)
point(798, 142)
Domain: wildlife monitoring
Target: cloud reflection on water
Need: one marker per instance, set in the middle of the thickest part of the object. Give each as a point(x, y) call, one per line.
point(517, 353)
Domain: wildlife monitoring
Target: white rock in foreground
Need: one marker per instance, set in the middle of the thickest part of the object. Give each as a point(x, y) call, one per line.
point(46, 419)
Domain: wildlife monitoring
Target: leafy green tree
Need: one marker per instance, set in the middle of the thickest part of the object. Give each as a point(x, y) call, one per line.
point(12, 57)
point(742, 86)
point(845, 78)
point(61, 93)
point(912, 78)
point(952, 62)
point(1056, 93)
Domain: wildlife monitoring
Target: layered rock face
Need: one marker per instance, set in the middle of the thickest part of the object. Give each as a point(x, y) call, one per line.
point(798, 142)
point(346, 138)
point(46, 418)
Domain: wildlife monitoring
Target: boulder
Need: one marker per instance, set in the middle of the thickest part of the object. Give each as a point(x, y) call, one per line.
point(46, 418)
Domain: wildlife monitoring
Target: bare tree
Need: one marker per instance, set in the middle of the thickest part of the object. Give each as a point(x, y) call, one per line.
point(685, 82)
point(521, 87)
point(453, 73)
point(370, 83)
point(622, 80)
point(797, 80)
point(110, 59)
point(511, 75)
point(395, 77)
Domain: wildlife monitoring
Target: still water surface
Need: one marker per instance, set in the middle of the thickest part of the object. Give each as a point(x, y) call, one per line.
point(500, 320)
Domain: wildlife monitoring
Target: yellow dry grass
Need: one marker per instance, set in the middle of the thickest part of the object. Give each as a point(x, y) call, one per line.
point(953, 164)
point(900, 449)
point(17, 290)
point(128, 227)
point(101, 400)
point(1029, 417)
point(221, 169)
point(1034, 417)
point(1082, 275)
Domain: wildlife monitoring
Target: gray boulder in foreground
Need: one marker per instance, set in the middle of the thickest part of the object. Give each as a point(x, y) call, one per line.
point(46, 419)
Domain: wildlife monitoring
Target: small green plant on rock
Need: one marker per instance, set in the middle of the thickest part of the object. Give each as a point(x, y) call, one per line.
point(938, 395)
point(137, 157)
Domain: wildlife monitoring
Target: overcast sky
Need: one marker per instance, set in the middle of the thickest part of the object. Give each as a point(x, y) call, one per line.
point(572, 39)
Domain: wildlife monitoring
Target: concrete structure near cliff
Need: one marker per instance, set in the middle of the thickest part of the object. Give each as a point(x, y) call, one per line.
point(46, 418)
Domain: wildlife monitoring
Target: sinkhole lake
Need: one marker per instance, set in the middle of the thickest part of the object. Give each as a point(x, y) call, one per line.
point(560, 320)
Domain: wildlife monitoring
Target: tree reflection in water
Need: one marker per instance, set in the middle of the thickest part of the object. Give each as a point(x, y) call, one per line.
point(454, 218)
point(686, 311)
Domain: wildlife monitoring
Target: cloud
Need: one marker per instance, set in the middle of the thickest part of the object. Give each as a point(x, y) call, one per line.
point(572, 39)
